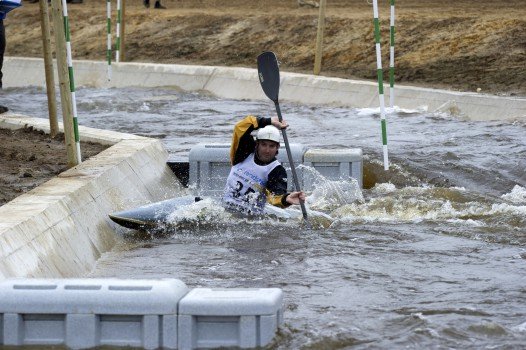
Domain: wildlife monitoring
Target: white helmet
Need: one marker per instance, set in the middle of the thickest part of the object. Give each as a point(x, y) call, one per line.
point(269, 132)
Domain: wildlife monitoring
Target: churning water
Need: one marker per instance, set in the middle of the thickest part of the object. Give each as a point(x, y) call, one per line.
point(430, 255)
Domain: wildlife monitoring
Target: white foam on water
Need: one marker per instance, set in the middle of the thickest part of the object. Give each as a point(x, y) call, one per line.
point(369, 213)
point(389, 110)
point(144, 107)
point(207, 210)
point(517, 195)
point(328, 194)
point(504, 208)
point(416, 204)
point(384, 188)
point(333, 194)
point(210, 211)
point(468, 222)
point(519, 328)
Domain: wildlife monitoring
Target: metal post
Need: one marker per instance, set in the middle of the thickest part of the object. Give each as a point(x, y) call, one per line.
point(319, 38)
point(380, 83)
point(63, 77)
point(48, 65)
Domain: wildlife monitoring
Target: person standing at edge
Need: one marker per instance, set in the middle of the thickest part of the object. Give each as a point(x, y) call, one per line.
point(5, 7)
point(157, 4)
point(256, 176)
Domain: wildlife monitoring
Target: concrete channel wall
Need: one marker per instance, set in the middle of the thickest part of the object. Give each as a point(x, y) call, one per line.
point(242, 83)
point(60, 228)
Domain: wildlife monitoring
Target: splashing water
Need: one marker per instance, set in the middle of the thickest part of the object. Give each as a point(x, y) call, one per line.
point(517, 195)
point(205, 211)
point(429, 255)
point(329, 194)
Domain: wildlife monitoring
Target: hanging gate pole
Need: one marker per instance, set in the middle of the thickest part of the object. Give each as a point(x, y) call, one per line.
point(380, 83)
point(63, 77)
point(118, 31)
point(71, 80)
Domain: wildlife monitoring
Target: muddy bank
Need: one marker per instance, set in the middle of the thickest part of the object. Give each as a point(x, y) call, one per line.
point(459, 45)
point(29, 157)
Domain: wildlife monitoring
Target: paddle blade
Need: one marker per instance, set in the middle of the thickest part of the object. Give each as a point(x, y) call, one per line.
point(268, 71)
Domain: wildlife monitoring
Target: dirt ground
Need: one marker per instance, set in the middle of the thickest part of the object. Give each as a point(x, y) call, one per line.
point(455, 44)
point(463, 45)
point(29, 158)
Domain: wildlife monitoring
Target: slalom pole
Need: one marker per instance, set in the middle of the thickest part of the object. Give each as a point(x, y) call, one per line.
point(118, 43)
point(391, 55)
point(71, 80)
point(380, 82)
point(108, 31)
point(63, 79)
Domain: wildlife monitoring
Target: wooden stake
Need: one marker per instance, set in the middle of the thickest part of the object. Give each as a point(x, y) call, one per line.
point(123, 32)
point(319, 38)
point(48, 65)
point(391, 55)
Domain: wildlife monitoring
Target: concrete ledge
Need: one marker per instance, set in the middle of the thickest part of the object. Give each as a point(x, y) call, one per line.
point(60, 228)
point(243, 83)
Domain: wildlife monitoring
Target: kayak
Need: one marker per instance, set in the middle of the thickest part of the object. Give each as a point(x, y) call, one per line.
point(151, 216)
point(161, 215)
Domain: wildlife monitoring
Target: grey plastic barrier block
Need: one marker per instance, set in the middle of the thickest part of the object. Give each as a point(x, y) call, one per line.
point(333, 164)
point(90, 335)
point(246, 318)
point(83, 313)
point(210, 166)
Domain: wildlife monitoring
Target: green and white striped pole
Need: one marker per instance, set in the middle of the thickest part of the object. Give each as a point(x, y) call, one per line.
point(108, 31)
point(391, 55)
point(380, 82)
point(118, 43)
point(71, 80)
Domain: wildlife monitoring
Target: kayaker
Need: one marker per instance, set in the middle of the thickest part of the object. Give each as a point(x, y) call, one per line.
point(256, 176)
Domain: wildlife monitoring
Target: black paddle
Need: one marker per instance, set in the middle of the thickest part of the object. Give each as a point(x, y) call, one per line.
point(268, 71)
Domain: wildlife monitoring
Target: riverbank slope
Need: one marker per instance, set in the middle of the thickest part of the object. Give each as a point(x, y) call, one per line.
point(462, 45)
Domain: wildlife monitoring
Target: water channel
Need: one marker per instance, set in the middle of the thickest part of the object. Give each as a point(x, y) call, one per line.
point(430, 255)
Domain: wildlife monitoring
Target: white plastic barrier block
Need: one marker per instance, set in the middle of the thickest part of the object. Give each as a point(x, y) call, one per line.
point(85, 313)
point(210, 166)
point(333, 164)
point(245, 318)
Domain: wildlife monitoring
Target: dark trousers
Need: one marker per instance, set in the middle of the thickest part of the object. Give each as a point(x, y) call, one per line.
point(2, 48)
